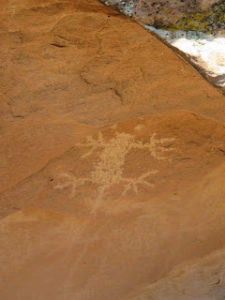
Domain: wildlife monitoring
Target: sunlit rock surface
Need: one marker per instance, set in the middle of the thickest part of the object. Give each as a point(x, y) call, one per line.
point(112, 156)
point(197, 29)
point(118, 211)
point(205, 51)
point(70, 62)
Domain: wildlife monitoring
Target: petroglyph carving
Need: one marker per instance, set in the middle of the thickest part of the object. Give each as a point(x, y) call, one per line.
point(110, 165)
point(156, 147)
point(71, 181)
point(132, 183)
point(124, 142)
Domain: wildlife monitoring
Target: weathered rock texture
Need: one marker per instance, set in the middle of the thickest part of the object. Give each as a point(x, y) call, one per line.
point(200, 279)
point(70, 61)
point(92, 213)
point(207, 16)
point(187, 26)
point(137, 199)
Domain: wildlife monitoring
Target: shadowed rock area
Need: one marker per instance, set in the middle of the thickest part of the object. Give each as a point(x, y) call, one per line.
point(199, 279)
point(112, 160)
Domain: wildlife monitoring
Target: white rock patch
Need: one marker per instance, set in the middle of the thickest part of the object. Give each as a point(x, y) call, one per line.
point(207, 51)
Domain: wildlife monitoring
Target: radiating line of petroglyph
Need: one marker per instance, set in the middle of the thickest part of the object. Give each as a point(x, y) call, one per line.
point(94, 144)
point(69, 282)
point(109, 168)
point(71, 182)
point(132, 183)
point(156, 146)
point(127, 141)
point(108, 171)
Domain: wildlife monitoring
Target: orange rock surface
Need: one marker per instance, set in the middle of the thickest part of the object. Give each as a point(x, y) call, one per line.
point(112, 158)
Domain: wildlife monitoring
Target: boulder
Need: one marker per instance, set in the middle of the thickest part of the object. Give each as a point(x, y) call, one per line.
point(207, 16)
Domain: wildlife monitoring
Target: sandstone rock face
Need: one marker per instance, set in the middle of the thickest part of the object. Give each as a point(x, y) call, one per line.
point(112, 157)
point(132, 201)
point(195, 27)
point(201, 279)
point(56, 71)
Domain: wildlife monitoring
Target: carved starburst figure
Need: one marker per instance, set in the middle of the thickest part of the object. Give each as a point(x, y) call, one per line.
point(110, 164)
